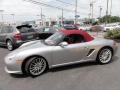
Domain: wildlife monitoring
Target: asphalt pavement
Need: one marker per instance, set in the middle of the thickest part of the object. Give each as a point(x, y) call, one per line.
point(84, 76)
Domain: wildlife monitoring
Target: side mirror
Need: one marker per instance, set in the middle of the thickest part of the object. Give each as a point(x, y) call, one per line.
point(63, 44)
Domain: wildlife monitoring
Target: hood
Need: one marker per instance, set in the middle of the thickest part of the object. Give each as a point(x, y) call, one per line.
point(33, 44)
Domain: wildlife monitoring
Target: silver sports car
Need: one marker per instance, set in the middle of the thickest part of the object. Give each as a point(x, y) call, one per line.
point(62, 48)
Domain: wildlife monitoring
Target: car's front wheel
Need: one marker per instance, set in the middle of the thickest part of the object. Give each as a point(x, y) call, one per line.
point(35, 66)
point(104, 56)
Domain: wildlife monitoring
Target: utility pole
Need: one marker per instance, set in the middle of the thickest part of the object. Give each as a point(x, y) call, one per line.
point(92, 9)
point(76, 11)
point(107, 12)
point(13, 16)
point(41, 17)
point(62, 17)
point(2, 19)
point(89, 15)
point(110, 11)
point(111, 8)
point(100, 11)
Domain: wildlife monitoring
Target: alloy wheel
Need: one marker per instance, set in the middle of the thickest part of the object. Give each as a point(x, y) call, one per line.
point(105, 56)
point(9, 45)
point(37, 66)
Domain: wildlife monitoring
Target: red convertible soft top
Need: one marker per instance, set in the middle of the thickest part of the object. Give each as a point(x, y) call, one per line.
point(81, 32)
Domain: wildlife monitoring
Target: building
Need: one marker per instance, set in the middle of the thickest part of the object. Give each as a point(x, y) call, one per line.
point(50, 21)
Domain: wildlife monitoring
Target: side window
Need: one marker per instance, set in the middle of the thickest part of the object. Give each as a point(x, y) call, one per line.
point(7, 29)
point(3, 30)
point(74, 38)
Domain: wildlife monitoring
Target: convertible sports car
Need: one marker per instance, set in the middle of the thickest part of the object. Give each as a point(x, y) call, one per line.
point(62, 48)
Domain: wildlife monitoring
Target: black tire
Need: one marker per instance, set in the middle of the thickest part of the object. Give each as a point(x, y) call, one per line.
point(10, 45)
point(35, 66)
point(105, 56)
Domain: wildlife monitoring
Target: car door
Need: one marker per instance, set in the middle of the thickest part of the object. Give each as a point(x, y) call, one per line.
point(69, 54)
point(75, 51)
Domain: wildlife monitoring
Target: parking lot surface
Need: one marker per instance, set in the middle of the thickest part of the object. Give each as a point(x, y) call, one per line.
point(84, 76)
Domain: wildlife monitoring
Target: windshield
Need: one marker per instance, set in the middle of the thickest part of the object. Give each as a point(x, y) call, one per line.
point(55, 38)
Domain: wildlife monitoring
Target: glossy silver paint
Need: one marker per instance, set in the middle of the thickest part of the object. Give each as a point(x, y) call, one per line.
point(56, 55)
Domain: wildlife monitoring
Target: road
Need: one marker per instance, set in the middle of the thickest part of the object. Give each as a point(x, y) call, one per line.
point(84, 76)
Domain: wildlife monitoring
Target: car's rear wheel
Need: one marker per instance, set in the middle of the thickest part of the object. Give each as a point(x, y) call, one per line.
point(105, 56)
point(10, 45)
point(35, 66)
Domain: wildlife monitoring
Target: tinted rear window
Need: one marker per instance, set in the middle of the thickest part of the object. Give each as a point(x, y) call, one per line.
point(26, 30)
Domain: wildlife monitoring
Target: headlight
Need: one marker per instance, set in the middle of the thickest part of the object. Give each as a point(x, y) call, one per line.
point(12, 57)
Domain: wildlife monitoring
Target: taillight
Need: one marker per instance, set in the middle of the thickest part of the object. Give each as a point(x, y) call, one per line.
point(18, 36)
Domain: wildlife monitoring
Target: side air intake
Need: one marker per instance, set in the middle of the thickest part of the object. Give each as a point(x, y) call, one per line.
point(90, 52)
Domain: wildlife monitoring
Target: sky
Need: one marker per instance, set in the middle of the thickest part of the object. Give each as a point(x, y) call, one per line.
point(25, 11)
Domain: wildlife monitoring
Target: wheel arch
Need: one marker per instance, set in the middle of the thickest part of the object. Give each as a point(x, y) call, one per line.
point(27, 58)
point(107, 47)
point(8, 39)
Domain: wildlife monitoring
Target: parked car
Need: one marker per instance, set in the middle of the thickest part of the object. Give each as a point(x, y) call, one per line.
point(97, 28)
point(111, 27)
point(85, 27)
point(45, 32)
point(70, 27)
point(13, 37)
point(65, 47)
point(108, 27)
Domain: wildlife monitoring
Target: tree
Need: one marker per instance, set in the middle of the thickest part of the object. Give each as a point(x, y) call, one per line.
point(110, 19)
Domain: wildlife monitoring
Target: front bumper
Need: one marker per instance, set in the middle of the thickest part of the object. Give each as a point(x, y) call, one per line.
point(12, 67)
point(12, 72)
